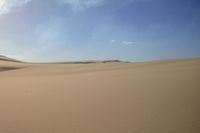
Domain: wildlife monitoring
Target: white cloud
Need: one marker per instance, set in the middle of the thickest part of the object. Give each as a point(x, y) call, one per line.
point(7, 5)
point(127, 43)
point(78, 5)
point(112, 41)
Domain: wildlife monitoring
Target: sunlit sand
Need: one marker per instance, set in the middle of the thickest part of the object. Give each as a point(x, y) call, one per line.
point(100, 97)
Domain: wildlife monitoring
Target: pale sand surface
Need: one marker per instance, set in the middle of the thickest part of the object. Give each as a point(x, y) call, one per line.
point(114, 97)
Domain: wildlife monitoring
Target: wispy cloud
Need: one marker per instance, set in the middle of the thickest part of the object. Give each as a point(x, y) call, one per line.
point(128, 43)
point(7, 5)
point(78, 5)
point(112, 41)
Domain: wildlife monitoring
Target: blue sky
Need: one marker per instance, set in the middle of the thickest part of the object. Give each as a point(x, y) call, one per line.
point(133, 30)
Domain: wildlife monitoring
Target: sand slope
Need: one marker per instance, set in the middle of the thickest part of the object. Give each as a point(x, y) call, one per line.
point(112, 97)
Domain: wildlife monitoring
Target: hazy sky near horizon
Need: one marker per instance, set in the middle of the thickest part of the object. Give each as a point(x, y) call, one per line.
point(135, 30)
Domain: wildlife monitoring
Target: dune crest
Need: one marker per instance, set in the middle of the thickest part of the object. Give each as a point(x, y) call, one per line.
point(5, 58)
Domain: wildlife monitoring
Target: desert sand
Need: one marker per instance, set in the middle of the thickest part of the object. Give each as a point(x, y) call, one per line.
point(100, 97)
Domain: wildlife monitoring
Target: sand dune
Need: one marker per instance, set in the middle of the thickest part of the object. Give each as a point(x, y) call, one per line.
point(100, 97)
point(4, 58)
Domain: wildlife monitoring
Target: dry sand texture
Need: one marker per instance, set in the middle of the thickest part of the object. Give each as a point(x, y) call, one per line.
point(112, 97)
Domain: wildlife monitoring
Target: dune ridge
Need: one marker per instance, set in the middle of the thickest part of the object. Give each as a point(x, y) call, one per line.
point(5, 58)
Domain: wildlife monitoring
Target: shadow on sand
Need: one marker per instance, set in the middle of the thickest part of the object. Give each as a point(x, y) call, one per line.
point(8, 68)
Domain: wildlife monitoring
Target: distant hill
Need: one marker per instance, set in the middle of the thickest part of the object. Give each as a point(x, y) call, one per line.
point(5, 58)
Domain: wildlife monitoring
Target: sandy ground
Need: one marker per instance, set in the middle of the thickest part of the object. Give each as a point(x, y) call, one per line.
point(113, 97)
